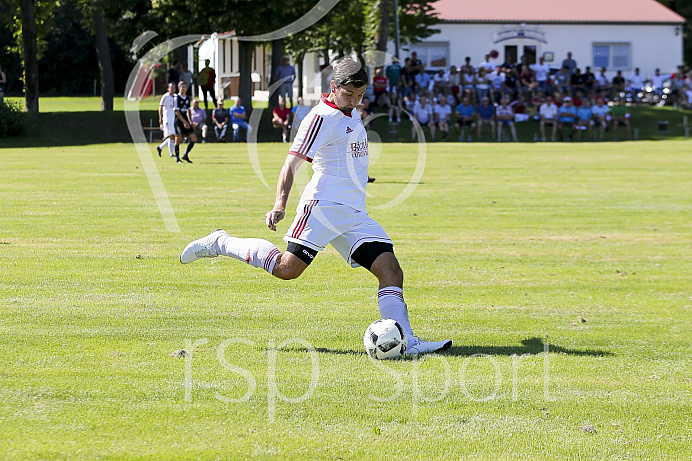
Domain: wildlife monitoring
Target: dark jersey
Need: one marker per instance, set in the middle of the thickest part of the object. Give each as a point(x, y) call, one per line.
point(183, 103)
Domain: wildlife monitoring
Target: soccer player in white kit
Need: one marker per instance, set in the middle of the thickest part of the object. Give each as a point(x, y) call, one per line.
point(332, 208)
point(167, 120)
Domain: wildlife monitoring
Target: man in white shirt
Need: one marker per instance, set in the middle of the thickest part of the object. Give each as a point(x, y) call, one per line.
point(542, 70)
point(423, 113)
point(635, 84)
point(548, 114)
point(600, 114)
point(442, 113)
point(167, 120)
point(332, 208)
point(657, 80)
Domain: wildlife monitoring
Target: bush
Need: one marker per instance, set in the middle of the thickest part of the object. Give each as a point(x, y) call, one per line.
point(12, 121)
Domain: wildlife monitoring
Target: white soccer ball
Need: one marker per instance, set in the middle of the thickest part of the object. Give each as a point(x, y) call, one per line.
point(385, 339)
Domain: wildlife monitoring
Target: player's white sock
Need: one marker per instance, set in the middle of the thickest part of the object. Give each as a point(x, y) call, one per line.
point(256, 252)
point(392, 306)
point(164, 143)
point(171, 147)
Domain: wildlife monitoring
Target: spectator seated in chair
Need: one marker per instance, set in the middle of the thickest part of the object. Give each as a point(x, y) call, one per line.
point(220, 116)
point(280, 118)
point(238, 121)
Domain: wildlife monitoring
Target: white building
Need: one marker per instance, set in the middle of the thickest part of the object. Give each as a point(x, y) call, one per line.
point(615, 34)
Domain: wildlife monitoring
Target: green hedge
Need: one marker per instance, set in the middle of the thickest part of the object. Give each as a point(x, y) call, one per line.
point(12, 121)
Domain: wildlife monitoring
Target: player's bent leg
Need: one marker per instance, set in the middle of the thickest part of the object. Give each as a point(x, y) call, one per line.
point(288, 266)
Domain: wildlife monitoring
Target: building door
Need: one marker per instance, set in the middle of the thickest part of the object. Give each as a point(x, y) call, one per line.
point(511, 54)
point(530, 53)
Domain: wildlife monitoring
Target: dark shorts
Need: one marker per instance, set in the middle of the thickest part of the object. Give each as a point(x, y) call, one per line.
point(181, 128)
point(462, 122)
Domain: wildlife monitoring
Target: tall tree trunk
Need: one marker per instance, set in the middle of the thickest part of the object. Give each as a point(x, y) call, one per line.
point(299, 63)
point(103, 53)
point(245, 50)
point(30, 52)
point(383, 26)
point(277, 54)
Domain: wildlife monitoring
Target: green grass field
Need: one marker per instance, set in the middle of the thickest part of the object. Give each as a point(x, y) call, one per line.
point(581, 250)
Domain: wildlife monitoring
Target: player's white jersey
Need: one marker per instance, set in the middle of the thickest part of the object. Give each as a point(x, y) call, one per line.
point(168, 104)
point(336, 143)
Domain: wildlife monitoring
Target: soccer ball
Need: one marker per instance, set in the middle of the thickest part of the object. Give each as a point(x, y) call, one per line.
point(385, 339)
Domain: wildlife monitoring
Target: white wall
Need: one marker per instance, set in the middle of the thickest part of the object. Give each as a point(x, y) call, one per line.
point(651, 45)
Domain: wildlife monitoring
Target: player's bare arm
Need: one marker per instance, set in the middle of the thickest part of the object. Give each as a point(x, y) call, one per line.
point(283, 190)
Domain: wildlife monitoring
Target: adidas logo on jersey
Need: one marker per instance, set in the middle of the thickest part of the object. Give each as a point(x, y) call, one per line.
point(348, 130)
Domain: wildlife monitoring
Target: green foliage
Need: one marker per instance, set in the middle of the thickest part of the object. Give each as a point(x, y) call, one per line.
point(12, 120)
point(416, 20)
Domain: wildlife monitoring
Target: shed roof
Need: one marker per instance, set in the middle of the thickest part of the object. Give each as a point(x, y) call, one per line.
point(557, 12)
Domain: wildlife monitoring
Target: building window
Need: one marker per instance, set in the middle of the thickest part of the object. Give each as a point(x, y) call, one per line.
point(433, 55)
point(612, 56)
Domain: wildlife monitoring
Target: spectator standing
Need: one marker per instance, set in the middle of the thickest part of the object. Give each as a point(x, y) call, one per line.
point(465, 118)
point(441, 83)
point(486, 116)
point(423, 83)
point(220, 117)
point(618, 84)
point(172, 74)
point(482, 84)
point(589, 82)
point(526, 80)
point(198, 118)
point(468, 81)
point(186, 76)
point(635, 84)
point(280, 118)
point(287, 71)
point(239, 120)
point(442, 113)
point(657, 80)
point(423, 113)
point(379, 88)
point(487, 65)
point(578, 82)
point(207, 80)
point(498, 89)
point(548, 114)
point(393, 74)
point(542, 70)
point(567, 118)
point(505, 117)
point(406, 81)
point(570, 63)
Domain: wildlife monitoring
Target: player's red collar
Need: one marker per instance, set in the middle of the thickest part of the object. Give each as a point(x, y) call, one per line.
point(332, 105)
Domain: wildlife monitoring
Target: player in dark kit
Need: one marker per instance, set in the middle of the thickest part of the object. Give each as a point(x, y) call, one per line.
point(183, 101)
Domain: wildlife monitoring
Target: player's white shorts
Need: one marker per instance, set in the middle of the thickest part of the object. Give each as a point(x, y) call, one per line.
point(318, 223)
point(169, 128)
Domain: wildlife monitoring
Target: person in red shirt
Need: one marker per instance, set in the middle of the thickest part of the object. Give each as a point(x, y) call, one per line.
point(379, 87)
point(280, 118)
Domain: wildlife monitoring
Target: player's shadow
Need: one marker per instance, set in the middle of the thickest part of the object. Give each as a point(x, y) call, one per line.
point(530, 346)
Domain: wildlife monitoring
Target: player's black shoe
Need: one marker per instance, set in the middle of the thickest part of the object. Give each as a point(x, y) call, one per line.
point(158, 149)
point(187, 159)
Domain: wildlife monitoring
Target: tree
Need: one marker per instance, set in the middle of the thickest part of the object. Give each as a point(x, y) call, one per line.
point(684, 9)
point(103, 53)
point(30, 54)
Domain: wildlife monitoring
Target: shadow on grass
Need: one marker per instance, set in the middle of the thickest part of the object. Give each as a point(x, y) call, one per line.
point(532, 346)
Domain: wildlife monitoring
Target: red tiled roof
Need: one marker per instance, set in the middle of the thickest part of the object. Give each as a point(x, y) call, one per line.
point(557, 11)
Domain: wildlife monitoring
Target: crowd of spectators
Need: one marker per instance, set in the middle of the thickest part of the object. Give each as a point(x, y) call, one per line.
point(566, 99)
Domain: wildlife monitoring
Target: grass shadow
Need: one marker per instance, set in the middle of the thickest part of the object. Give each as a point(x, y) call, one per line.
point(530, 346)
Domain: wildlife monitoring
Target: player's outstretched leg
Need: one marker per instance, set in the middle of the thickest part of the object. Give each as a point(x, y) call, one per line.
point(256, 252)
